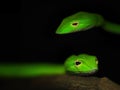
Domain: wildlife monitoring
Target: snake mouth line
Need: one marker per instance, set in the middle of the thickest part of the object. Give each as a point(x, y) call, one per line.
point(79, 73)
point(93, 71)
point(90, 72)
point(84, 29)
point(87, 73)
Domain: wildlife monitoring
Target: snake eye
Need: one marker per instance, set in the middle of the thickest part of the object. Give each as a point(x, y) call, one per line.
point(74, 23)
point(77, 63)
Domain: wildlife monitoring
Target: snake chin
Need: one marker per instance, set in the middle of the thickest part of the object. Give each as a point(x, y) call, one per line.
point(83, 29)
point(83, 73)
point(87, 28)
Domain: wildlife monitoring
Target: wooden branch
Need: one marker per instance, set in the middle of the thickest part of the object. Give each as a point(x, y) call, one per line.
point(58, 82)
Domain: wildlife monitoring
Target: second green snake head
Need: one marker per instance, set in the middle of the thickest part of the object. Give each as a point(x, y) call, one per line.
point(77, 22)
point(82, 64)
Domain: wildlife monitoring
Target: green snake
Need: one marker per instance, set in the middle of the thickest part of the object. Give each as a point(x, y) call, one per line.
point(74, 64)
point(82, 21)
point(82, 64)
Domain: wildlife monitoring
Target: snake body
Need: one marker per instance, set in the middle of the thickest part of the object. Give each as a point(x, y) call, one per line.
point(78, 64)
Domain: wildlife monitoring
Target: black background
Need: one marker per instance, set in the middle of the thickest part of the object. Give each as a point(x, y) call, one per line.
point(27, 33)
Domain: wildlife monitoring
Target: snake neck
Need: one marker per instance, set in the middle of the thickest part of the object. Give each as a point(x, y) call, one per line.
point(99, 20)
point(106, 25)
point(111, 27)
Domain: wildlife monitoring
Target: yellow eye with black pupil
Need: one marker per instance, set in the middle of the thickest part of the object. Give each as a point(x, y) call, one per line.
point(75, 24)
point(77, 63)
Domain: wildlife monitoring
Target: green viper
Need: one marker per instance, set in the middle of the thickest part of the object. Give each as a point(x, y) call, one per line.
point(75, 64)
point(82, 21)
point(82, 64)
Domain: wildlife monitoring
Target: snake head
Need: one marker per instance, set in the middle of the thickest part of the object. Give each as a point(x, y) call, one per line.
point(77, 22)
point(82, 64)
